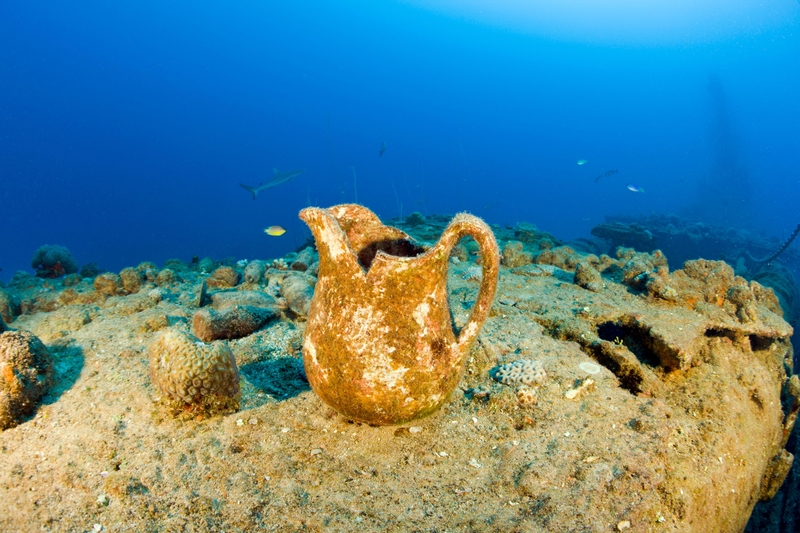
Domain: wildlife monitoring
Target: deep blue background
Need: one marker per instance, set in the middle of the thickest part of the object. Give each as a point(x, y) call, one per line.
point(126, 126)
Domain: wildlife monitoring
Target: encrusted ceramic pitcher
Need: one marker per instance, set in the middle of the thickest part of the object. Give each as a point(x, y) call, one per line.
point(379, 346)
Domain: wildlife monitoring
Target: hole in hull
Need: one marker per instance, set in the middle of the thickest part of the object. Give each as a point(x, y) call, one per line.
point(635, 338)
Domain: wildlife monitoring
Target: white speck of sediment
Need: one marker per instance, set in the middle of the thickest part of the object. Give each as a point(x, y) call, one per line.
point(420, 314)
point(362, 336)
point(469, 330)
point(383, 370)
point(334, 242)
point(311, 350)
point(589, 368)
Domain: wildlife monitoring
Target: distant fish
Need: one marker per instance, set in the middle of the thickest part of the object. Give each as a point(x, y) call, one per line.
point(582, 161)
point(275, 231)
point(489, 206)
point(277, 178)
point(606, 174)
point(635, 188)
point(383, 148)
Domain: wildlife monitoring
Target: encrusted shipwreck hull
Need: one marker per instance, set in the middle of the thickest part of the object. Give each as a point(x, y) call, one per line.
point(658, 401)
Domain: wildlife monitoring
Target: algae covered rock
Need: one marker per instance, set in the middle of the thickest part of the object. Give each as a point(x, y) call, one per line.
point(235, 314)
point(193, 372)
point(254, 271)
point(562, 257)
point(514, 256)
point(6, 306)
point(304, 259)
point(206, 265)
point(109, 284)
point(230, 323)
point(89, 270)
point(132, 279)
point(529, 233)
point(26, 372)
point(166, 277)
point(415, 219)
point(224, 276)
point(588, 277)
point(70, 280)
point(53, 261)
point(298, 291)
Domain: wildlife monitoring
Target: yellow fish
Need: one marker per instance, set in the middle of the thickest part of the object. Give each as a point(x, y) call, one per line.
point(275, 231)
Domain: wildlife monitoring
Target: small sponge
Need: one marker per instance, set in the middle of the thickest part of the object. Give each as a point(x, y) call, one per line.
point(195, 373)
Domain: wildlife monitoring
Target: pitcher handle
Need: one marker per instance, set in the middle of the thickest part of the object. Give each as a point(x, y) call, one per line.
point(469, 225)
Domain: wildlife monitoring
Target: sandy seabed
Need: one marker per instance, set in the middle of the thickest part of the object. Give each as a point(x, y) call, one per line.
point(645, 444)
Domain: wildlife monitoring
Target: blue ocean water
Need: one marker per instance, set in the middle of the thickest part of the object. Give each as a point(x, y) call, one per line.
point(126, 127)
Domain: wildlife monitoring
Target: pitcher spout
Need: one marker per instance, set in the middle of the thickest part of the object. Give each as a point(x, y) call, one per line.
point(332, 243)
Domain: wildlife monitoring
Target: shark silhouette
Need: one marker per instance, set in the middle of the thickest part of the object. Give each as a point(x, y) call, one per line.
point(278, 177)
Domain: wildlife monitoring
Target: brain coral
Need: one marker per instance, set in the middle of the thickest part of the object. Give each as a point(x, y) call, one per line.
point(190, 371)
point(26, 371)
point(522, 372)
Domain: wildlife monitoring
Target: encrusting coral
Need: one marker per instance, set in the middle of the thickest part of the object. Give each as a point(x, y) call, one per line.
point(193, 372)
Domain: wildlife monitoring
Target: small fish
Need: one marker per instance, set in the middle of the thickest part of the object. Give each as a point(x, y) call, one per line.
point(582, 161)
point(275, 231)
point(606, 174)
point(634, 188)
point(383, 148)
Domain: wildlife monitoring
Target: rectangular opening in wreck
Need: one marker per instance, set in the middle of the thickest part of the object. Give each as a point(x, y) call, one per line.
point(637, 340)
point(758, 342)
